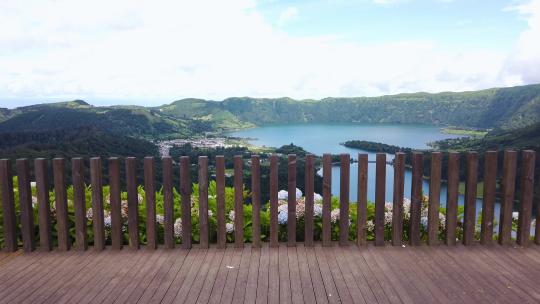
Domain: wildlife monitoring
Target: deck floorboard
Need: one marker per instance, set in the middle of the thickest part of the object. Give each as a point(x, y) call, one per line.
point(350, 274)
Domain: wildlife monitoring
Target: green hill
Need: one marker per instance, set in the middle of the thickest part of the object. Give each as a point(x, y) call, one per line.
point(505, 108)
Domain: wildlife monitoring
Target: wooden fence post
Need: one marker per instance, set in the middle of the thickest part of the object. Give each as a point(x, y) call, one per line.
point(380, 193)
point(291, 201)
point(507, 201)
point(168, 202)
point(238, 201)
point(361, 221)
point(44, 205)
point(488, 202)
point(274, 227)
point(220, 200)
point(256, 200)
point(60, 193)
point(133, 202)
point(309, 195)
point(345, 169)
point(25, 201)
point(115, 199)
point(434, 198)
point(79, 203)
point(96, 177)
point(8, 206)
point(150, 197)
point(397, 208)
point(527, 191)
point(416, 198)
point(203, 202)
point(327, 200)
point(469, 217)
point(452, 197)
point(185, 200)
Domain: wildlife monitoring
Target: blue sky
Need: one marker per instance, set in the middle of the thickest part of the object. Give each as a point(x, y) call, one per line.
point(453, 24)
point(126, 52)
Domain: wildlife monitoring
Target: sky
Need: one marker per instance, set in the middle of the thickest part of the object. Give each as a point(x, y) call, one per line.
point(154, 52)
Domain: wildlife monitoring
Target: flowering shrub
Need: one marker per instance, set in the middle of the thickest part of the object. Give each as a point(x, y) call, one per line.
point(335, 216)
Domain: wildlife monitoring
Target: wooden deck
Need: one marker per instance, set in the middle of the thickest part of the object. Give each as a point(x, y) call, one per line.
point(458, 274)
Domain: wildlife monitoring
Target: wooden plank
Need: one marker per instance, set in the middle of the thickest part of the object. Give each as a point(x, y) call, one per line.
point(263, 276)
point(452, 198)
point(133, 202)
point(8, 206)
point(321, 294)
point(330, 287)
point(232, 275)
point(337, 276)
point(200, 277)
point(203, 202)
point(60, 194)
point(210, 280)
point(308, 291)
point(285, 295)
point(361, 220)
point(274, 227)
point(434, 198)
point(220, 278)
point(150, 197)
point(416, 198)
point(25, 202)
point(253, 276)
point(527, 192)
point(380, 192)
point(97, 203)
point(327, 200)
point(242, 278)
point(117, 236)
point(171, 275)
point(507, 201)
point(256, 200)
point(309, 196)
point(238, 201)
point(79, 203)
point(44, 206)
point(291, 201)
point(273, 276)
point(471, 180)
point(488, 202)
point(168, 202)
point(397, 208)
point(185, 200)
point(345, 176)
point(294, 273)
point(220, 200)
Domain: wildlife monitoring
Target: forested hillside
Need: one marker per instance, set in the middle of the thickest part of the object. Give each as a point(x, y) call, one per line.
point(493, 108)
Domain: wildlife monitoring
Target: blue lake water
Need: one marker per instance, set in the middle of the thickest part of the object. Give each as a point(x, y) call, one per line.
point(326, 138)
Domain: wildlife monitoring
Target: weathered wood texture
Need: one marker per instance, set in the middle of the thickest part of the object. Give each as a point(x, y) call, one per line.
point(397, 206)
point(380, 194)
point(271, 275)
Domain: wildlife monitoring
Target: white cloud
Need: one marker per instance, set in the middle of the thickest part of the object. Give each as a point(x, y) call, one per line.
point(524, 61)
point(287, 15)
point(158, 52)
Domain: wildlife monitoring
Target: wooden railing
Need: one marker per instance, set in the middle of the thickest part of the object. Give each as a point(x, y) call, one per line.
point(81, 240)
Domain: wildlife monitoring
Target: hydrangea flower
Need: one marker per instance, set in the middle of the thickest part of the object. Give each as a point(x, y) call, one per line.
point(282, 218)
point(231, 215)
point(406, 208)
point(317, 197)
point(210, 213)
point(107, 221)
point(370, 225)
point(388, 217)
point(334, 215)
point(317, 210)
point(89, 213)
point(178, 228)
point(388, 206)
point(282, 195)
point(515, 215)
point(229, 227)
point(424, 221)
point(442, 220)
point(160, 219)
point(34, 201)
point(300, 209)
